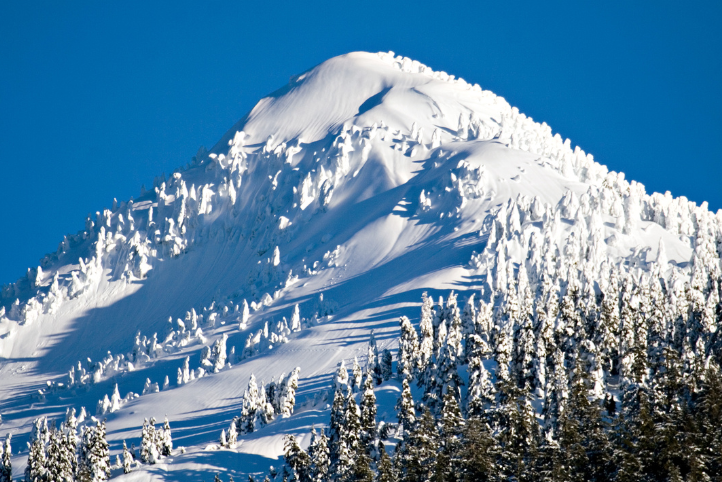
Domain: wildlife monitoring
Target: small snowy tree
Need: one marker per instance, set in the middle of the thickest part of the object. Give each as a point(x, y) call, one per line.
point(288, 400)
point(127, 459)
point(218, 353)
point(166, 439)
point(356, 375)
point(149, 453)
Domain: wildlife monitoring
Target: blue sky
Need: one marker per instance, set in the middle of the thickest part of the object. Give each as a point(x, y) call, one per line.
point(98, 97)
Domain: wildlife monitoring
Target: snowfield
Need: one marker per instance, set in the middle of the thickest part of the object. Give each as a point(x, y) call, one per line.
point(320, 217)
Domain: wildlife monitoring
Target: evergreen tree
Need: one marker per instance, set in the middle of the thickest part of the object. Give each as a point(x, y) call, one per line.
point(149, 453)
point(386, 365)
point(61, 461)
point(405, 408)
point(408, 353)
point(318, 454)
point(166, 443)
point(361, 470)
point(417, 462)
point(357, 375)
point(6, 467)
point(94, 463)
point(452, 425)
point(426, 326)
point(385, 467)
point(36, 469)
point(368, 415)
point(127, 459)
point(336, 427)
point(478, 452)
point(350, 440)
point(297, 459)
point(518, 433)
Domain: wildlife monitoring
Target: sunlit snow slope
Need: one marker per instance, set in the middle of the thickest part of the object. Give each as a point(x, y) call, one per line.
point(366, 181)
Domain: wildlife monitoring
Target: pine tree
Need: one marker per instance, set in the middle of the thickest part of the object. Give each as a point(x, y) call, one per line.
point(356, 375)
point(36, 468)
point(386, 365)
point(318, 453)
point(418, 461)
point(518, 433)
point(408, 354)
point(61, 461)
point(94, 464)
point(426, 345)
point(127, 459)
point(368, 415)
point(361, 470)
point(452, 425)
point(297, 459)
point(288, 400)
point(405, 408)
point(250, 406)
point(373, 365)
point(149, 453)
point(478, 452)
point(6, 467)
point(350, 439)
point(166, 444)
point(385, 467)
point(336, 427)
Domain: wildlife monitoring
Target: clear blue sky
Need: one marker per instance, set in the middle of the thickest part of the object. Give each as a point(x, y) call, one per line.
point(97, 97)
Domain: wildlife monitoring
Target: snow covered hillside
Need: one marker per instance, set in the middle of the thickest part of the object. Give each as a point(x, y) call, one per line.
point(321, 217)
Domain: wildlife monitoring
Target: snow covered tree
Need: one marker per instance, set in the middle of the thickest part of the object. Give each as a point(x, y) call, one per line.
point(61, 462)
point(405, 408)
point(368, 414)
point(356, 375)
point(426, 326)
point(452, 423)
point(336, 427)
point(149, 453)
point(318, 453)
point(341, 377)
point(372, 360)
point(478, 452)
point(297, 459)
point(218, 353)
point(127, 459)
point(6, 467)
point(385, 467)
point(288, 399)
point(36, 468)
point(386, 365)
point(408, 354)
point(417, 460)
point(166, 439)
point(250, 407)
point(94, 463)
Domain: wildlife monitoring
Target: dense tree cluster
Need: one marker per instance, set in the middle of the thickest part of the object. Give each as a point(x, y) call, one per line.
point(564, 384)
point(79, 452)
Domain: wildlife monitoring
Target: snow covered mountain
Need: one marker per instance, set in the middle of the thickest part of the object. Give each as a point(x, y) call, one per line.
point(320, 217)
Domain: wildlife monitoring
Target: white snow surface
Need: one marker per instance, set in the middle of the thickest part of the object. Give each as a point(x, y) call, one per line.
point(354, 182)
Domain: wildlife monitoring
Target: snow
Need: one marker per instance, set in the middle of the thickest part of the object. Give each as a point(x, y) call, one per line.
point(367, 180)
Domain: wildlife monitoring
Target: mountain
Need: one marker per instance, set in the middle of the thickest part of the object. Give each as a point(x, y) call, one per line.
point(321, 217)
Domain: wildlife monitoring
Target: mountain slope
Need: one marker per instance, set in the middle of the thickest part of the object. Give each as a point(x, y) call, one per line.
point(365, 182)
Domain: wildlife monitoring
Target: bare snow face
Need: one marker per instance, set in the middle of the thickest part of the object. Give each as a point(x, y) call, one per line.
point(322, 215)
